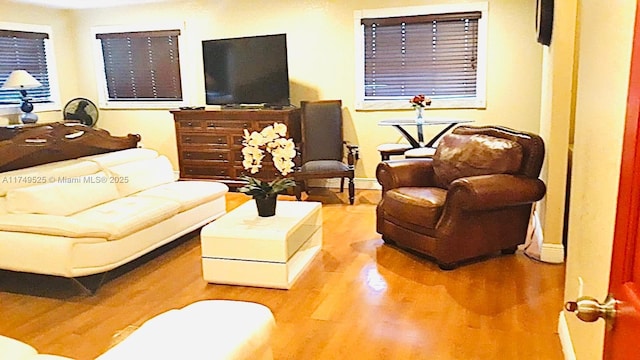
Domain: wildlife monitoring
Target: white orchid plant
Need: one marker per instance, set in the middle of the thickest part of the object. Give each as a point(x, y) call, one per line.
point(271, 139)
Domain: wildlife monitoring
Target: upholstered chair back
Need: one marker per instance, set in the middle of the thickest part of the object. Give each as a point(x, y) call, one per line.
point(322, 130)
point(473, 151)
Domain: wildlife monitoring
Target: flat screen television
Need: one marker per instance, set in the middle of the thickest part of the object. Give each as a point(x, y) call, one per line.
point(246, 71)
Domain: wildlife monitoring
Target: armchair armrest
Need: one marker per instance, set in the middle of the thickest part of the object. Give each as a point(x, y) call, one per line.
point(353, 153)
point(409, 172)
point(494, 191)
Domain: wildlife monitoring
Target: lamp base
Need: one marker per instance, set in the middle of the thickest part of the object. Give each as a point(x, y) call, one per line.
point(29, 118)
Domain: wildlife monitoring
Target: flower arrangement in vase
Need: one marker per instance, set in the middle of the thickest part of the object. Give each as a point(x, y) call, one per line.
point(419, 102)
point(272, 139)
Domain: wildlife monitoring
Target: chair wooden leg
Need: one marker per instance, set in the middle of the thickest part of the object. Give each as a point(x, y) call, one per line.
point(341, 185)
point(352, 191)
point(298, 191)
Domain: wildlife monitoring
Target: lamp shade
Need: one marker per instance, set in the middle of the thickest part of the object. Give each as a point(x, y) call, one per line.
point(20, 80)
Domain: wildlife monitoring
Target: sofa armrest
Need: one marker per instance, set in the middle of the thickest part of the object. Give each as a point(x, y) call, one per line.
point(494, 191)
point(408, 172)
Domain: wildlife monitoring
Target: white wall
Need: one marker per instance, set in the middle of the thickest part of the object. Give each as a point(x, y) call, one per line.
point(606, 34)
point(321, 62)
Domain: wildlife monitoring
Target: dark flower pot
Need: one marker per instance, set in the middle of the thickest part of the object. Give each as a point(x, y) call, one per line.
point(266, 206)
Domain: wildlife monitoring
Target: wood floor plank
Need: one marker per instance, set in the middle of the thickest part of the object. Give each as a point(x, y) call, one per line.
point(358, 299)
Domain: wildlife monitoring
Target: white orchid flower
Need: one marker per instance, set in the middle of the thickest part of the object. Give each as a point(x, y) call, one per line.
point(280, 129)
point(272, 140)
point(254, 139)
point(269, 134)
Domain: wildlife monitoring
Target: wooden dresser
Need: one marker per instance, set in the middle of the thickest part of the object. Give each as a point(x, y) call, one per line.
point(210, 141)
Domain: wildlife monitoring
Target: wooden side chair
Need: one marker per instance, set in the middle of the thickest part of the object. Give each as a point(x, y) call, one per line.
point(322, 151)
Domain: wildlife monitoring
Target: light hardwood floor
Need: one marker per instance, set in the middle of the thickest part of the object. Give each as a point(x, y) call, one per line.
point(359, 299)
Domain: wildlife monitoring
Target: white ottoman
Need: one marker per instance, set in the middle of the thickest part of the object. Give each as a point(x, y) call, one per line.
point(207, 329)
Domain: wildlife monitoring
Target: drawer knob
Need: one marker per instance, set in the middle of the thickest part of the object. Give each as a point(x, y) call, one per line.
point(187, 155)
point(245, 125)
point(211, 125)
point(220, 156)
point(187, 139)
point(189, 124)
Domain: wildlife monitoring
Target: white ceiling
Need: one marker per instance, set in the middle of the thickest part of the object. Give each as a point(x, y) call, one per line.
point(87, 4)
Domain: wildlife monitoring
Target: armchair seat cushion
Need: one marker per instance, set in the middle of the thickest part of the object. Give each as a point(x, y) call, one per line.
point(421, 206)
point(324, 166)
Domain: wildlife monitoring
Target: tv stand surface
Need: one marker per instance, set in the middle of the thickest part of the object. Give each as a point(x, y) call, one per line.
point(264, 106)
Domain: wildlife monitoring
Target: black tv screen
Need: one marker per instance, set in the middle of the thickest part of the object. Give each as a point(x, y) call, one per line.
point(248, 70)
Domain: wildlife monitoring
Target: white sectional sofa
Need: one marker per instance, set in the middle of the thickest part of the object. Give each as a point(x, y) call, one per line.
point(12, 349)
point(89, 215)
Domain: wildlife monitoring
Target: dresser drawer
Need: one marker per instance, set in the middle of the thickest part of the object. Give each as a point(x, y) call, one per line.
point(207, 171)
point(202, 139)
point(266, 173)
point(186, 125)
point(215, 155)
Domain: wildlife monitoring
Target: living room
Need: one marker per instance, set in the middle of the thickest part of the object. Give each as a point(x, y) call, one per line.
point(528, 87)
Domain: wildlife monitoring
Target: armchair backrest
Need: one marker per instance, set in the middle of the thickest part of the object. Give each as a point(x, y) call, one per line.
point(471, 151)
point(321, 126)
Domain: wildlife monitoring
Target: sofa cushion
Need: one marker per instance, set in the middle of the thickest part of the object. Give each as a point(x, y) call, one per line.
point(120, 157)
point(12, 349)
point(472, 155)
point(127, 215)
point(142, 174)
point(46, 173)
point(64, 197)
point(53, 225)
point(188, 193)
point(15, 349)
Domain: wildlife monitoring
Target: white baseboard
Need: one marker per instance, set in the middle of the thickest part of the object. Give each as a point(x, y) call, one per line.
point(360, 183)
point(552, 253)
point(565, 338)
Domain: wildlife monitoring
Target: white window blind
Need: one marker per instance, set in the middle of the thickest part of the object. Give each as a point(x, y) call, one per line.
point(23, 50)
point(142, 66)
point(433, 54)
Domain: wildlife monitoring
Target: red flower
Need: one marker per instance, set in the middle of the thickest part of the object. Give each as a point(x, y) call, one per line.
point(420, 101)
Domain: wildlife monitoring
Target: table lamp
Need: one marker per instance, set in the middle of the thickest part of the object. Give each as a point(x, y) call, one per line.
point(22, 80)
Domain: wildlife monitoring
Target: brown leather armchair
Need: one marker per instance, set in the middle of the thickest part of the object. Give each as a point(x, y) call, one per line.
point(472, 199)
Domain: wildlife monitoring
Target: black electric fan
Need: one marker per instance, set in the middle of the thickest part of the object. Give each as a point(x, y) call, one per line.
point(81, 110)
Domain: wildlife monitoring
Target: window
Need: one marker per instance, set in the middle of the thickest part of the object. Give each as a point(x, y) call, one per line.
point(140, 69)
point(27, 47)
point(433, 50)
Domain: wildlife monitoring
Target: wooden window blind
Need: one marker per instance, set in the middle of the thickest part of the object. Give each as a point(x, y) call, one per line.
point(142, 66)
point(434, 55)
point(23, 50)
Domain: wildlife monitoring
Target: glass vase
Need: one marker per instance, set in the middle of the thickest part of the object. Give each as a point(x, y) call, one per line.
point(419, 118)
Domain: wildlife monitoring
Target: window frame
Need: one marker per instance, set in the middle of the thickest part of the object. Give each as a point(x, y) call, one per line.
point(54, 88)
point(103, 93)
point(478, 102)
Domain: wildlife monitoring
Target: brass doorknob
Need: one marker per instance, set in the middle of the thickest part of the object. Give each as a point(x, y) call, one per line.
point(589, 309)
